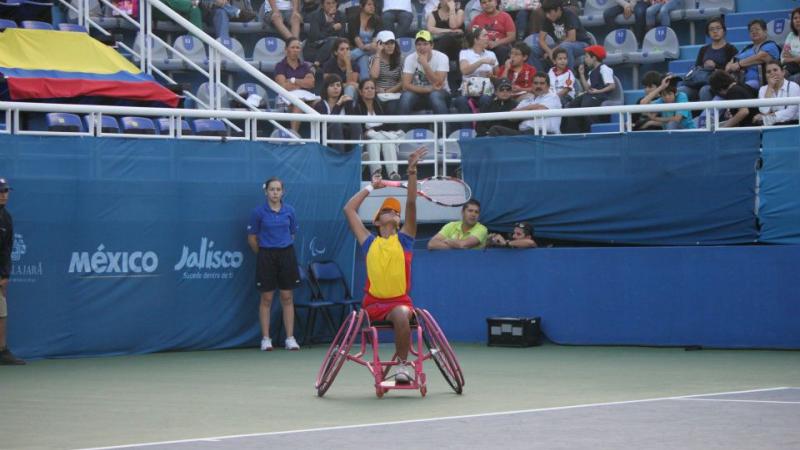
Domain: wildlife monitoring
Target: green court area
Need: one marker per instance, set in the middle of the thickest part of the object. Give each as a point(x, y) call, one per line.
point(95, 402)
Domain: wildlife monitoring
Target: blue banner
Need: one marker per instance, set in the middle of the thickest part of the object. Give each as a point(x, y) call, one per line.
point(134, 246)
point(678, 189)
point(779, 187)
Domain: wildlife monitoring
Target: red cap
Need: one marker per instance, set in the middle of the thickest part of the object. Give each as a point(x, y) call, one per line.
point(597, 50)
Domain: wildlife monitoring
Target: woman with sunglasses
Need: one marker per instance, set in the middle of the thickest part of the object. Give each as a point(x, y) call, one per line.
point(385, 69)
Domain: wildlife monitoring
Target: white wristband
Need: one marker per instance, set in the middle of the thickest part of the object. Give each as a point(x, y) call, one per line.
point(369, 188)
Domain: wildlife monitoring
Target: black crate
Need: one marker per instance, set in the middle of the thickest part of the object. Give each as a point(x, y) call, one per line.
point(514, 331)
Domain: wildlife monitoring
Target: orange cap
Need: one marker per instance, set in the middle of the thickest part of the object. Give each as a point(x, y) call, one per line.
point(390, 203)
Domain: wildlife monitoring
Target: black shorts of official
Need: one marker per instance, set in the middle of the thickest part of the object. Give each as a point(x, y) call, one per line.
point(276, 269)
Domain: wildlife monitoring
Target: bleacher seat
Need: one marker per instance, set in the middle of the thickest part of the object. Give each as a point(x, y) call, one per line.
point(406, 46)
point(417, 134)
point(660, 44)
point(63, 122)
point(74, 27)
point(204, 95)
point(162, 125)
point(109, 124)
point(703, 9)
point(619, 45)
point(532, 40)
point(235, 46)
point(592, 37)
point(593, 11)
point(6, 23)
point(278, 133)
point(245, 90)
point(254, 26)
point(268, 52)
point(617, 96)
point(190, 47)
point(160, 54)
point(209, 127)
point(138, 125)
point(778, 29)
point(36, 25)
point(452, 149)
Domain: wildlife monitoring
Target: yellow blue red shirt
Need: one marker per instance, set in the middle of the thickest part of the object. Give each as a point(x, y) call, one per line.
point(388, 268)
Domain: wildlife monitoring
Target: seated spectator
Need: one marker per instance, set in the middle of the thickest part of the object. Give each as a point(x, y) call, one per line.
point(521, 237)
point(565, 29)
point(726, 87)
point(296, 76)
point(790, 57)
point(596, 88)
point(397, 17)
point(222, 12)
point(325, 25)
point(542, 99)
point(368, 105)
point(477, 65)
point(425, 78)
point(189, 9)
point(518, 71)
point(283, 17)
point(499, 25)
point(749, 63)
point(385, 68)
point(446, 24)
point(462, 234)
point(334, 103)
point(647, 121)
point(667, 92)
point(628, 8)
point(777, 87)
point(562, 80)
point(362, 29)
point(340, 63)
point(658, 13)
point(715, 55)
point(503, 101)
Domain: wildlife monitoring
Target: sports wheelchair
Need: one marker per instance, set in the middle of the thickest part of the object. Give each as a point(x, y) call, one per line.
point(424, 331)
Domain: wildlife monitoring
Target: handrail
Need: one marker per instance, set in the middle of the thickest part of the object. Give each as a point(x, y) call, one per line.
point(212, 43)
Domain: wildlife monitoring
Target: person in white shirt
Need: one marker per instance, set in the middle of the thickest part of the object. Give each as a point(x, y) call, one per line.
point(477, 63)
point(777, 87)
point(562, 80)
point(279, 13)
point(542, 99)
point(424, 78)
point(398, 12)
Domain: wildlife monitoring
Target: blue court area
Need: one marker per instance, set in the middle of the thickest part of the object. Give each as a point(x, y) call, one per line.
point(760, 418)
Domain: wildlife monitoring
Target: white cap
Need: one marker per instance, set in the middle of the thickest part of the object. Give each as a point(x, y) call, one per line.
point(385, 36)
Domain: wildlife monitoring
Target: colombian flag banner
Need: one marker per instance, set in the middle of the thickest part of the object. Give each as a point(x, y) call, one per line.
point(45, 64)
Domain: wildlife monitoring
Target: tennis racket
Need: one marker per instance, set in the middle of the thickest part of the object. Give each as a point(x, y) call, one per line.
point(445, 191)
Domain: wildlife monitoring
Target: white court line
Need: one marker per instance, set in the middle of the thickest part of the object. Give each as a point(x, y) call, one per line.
point(739, 400)
point(433, 419)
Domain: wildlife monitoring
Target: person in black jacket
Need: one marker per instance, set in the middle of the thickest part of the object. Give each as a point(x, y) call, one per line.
point(326, 24)
point(6, 245)
point(502, 102)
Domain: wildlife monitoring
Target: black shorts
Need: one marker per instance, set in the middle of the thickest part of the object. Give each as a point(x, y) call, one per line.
point(276, 268)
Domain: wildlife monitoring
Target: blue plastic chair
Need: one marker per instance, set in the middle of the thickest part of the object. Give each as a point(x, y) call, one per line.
point(6, 23)
point(64, 122)
point(209, 127)
point(138, 125)
point(162, 126)
point(72, 27)
point(36, 25)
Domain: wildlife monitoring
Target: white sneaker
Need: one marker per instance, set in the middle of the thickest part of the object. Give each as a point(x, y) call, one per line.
point(403, 374)
point(291, 343)
point(266, 344)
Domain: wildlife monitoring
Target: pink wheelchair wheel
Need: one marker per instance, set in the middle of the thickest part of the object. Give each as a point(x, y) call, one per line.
point(440, 350)
point(338, 352)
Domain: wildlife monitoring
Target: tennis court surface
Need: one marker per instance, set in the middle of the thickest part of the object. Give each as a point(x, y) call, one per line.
point(548, 397)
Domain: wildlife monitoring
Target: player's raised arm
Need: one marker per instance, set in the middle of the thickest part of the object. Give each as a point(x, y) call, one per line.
point(351, 209)
point(410, 225)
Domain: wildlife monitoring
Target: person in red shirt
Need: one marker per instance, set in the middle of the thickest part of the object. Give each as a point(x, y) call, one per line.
point(499, 25)
point(518, 71)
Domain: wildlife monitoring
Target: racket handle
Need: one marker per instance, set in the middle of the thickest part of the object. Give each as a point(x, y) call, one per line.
point(391, 183)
